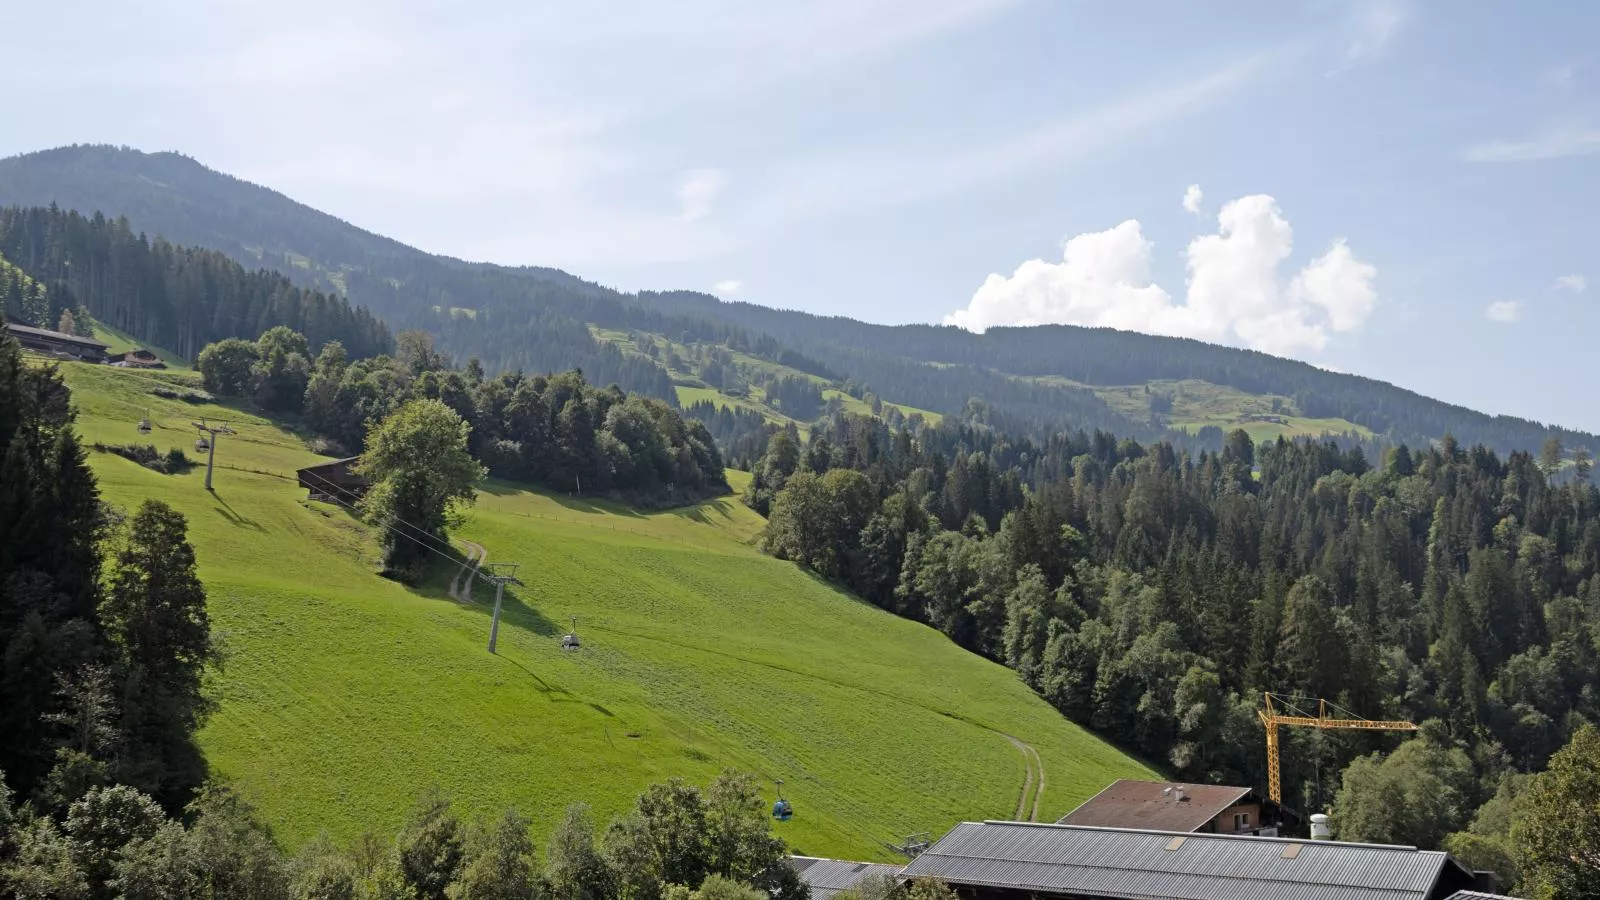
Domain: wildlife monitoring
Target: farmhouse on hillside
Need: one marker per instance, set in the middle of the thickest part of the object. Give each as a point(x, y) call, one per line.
point(58, 343)
point(335, 481)
point(137, 358)
point(1165, 806)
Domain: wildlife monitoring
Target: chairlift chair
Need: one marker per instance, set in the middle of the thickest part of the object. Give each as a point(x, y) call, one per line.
point(202, 445)
point(144, 423)
point(569, 641)
point(781, 809)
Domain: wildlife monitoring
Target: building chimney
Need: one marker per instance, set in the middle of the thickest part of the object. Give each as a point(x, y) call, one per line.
point(1319, 827)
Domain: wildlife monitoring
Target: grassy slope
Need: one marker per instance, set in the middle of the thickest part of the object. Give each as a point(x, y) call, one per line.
point(697, 390)
point(345, 695)
point(1196, 404)
point(119, 342)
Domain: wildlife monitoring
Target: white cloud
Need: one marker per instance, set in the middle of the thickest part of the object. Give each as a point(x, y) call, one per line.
point(729, 286)
point(1554, 143)
point(1574, 283)
point(1504, 311)
point(1376, 24)
point(1235, 291)
point(1192, 198)
point(698, 194)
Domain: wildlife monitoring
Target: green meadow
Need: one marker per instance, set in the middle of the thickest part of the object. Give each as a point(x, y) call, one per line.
point(345, 695)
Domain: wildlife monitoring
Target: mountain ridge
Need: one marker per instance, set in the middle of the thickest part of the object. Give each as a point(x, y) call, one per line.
point(507, 315)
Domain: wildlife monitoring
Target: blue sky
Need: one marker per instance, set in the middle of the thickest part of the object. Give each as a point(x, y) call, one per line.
point(1398, 189)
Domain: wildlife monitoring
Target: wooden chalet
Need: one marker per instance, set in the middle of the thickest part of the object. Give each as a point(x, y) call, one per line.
point(335, 481)
point(137, 358)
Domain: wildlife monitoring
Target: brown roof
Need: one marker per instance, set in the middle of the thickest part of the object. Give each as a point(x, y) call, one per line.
point(1151, 806)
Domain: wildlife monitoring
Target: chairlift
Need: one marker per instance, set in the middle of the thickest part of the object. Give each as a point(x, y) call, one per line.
point(781, 809)
point(201, 445)
point(144, 423)
point(569, 641)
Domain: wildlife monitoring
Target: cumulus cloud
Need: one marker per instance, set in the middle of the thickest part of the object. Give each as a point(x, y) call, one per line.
point(1192, 198)
point(728, 286)
point(1574, 283)
point(1504, 311)
point(1236, 293)
point(698, 193)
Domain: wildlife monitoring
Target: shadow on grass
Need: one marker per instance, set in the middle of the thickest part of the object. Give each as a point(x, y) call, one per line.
point(629, 506)
point(232, 516)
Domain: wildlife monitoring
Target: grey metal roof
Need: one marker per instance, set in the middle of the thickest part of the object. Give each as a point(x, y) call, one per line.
point(1123, 863)
point(54, 335)
point(830, 876)
point(1479, 895)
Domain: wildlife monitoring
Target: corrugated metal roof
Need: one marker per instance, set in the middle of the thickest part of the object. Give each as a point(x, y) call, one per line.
point(1158, 805)
point(1120, 863)
point(54, 335)
point(830, 876)
point(1479, 895)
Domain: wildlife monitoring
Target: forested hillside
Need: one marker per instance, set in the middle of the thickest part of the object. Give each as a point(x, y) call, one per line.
point(22, 298)
point(1156, 595)
point(1102, 356)
point(174, 297)
point(1028, 380)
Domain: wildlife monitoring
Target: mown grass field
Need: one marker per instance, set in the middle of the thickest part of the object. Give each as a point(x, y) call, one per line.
point(344, 695)
point(1196, 404)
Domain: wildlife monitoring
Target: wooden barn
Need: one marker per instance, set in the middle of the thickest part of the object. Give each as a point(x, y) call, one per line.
point(58, 343)
point(335, 481)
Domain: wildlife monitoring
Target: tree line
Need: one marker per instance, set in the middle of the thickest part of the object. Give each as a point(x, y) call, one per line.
point(1154, 595)
point(178, 298)
point(678, 842)
point(103, 624)
point(556, 431)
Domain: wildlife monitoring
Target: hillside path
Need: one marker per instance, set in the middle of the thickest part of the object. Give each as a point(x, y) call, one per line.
point(461, 585)
point(1032, 783)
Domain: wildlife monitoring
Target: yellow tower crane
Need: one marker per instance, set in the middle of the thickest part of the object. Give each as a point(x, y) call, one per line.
point(1272, 718)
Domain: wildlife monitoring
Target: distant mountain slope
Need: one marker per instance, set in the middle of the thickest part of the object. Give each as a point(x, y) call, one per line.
point(1037, 379)
point(1102, 356)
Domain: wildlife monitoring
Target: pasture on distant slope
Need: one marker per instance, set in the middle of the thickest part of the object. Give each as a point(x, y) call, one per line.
point(345, 695)
point(1197, 404)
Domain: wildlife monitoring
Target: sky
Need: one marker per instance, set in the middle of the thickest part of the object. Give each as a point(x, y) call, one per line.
point(1404, 190)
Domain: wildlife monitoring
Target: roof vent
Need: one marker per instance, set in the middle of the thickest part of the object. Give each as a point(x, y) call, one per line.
point(1319, 827)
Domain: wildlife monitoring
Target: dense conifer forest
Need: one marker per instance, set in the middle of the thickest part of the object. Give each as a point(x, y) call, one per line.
point(1156, 595)
point(176, 298)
